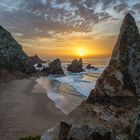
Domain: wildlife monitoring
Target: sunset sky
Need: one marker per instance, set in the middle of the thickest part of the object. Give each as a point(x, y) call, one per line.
point(66, 28)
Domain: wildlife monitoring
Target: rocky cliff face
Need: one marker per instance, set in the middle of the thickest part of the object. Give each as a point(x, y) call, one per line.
point(12, 55)
point(122, 76)
point(112, 111)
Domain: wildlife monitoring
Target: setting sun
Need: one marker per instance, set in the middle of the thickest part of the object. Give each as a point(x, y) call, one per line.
point(81, 52)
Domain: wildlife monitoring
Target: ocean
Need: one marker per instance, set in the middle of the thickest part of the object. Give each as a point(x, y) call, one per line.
point(70, 90)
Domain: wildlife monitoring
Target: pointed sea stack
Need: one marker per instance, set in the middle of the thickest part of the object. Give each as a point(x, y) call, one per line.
point(122, 75)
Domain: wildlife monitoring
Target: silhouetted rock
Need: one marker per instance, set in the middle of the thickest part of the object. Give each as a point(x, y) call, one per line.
point(55, 67)
point(91, 67)
point(35, 59)
point(39, 65)
point(12, 55)
point(76, 66)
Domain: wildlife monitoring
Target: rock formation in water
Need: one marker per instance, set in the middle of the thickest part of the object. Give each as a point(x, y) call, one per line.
point(55, 67)
point(11, 54)
point(112, 111)
point(39, 65)
point(76, 66)
point(89, 66)
point(35, 59)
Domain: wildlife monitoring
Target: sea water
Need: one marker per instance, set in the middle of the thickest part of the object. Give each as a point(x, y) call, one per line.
point(70, 90)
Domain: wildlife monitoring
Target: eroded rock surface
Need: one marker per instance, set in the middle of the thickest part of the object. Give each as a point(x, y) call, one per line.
point(12, 55)
point(55, 67)
point(122, 76)
point(76, 66)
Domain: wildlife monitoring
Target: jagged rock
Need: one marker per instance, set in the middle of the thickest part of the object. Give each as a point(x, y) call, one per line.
point(122, 75)
point(101, 134)
point(91, 67)
point(80, 132)
point(35, 59)
point(136, 125)
point(76, 66)
point(39, 65)
point(85, 132)
point(12, 55)
point(55, 67)
point(64, 131)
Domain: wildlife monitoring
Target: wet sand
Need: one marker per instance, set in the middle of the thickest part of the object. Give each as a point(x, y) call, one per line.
point(24, 111)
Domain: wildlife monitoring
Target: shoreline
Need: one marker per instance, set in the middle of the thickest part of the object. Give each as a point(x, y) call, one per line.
point(24, 112)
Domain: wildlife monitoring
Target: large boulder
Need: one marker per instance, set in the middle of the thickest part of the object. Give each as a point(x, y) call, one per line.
point(12, 55)
point(76, 66)
point(55, 67)
point(89, 66)
point(35, 59)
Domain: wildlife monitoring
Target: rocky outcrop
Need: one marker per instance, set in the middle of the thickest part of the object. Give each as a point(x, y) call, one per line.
point(99, 121)
point(122, 76)
point(64, 130)
point(35, 59)
point(89, 66)
point(76, 66)
point(39, 65)
point(12, 55)
point(112, 111)
point(55, 67)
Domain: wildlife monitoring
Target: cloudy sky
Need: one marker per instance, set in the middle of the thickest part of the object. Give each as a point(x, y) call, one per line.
point(66, 28)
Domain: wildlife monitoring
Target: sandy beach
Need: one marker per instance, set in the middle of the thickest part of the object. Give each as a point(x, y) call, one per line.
point(25, 111)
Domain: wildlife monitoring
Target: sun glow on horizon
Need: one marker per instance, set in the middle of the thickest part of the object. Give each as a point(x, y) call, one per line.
point(75, 48)
point(81, 52)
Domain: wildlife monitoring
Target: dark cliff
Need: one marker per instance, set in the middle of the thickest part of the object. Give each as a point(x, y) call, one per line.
point(11, 54)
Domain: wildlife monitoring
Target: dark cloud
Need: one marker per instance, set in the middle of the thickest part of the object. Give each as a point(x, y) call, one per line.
point(107, 3)
point(136, 7)
point(38, 18)
point(47, 18)
point(121, 7)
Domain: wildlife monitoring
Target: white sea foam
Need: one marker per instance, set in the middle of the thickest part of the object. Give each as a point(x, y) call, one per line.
point(82, 86)
point(70, 90)
point(81, 82)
